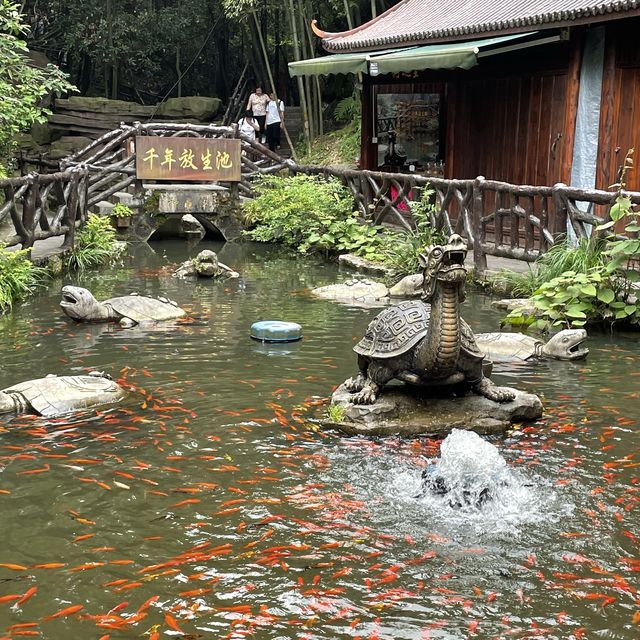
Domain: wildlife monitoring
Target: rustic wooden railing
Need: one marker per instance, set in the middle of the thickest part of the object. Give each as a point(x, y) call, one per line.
point(40, 206)
point(111, 159)
point(497, 218)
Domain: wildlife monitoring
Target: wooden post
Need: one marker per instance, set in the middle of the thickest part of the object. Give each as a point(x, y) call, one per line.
point(558, 219)
point(479, 257)
point(29, 211)
point(69, 219)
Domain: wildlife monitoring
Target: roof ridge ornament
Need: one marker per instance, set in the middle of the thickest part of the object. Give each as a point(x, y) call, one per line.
point(319, 32)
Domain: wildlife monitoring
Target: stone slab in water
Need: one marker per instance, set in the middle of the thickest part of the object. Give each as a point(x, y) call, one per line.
point(356, 292)
point(509, 304)
point(400, 410)
point(363, 265)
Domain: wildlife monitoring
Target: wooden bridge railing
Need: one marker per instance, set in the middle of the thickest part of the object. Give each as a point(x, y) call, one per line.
point(40, 206)
point(497, 218)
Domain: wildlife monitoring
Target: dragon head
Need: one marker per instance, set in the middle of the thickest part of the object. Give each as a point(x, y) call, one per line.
point(444, 264)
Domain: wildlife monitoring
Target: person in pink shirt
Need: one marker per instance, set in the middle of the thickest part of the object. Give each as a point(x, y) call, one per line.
point(257, 104)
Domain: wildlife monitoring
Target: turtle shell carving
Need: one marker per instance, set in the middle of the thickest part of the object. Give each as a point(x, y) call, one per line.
point(53, 395)
point(144, 309)
point(395, 330)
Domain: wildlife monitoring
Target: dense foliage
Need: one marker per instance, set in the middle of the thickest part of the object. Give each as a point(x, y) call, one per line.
point(309, 214)
point(95, 244)
point(22, 85)
point(594, 282)
point(19, 277)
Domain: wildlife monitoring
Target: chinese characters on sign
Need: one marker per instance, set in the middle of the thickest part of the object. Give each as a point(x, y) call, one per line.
point(180, 159)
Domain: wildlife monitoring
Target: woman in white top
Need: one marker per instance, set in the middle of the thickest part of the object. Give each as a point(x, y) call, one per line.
point(275, 116)
point(248, 126)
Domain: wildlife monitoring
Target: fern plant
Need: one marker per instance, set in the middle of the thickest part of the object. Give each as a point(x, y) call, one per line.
point(19, 277)
point(95, 244)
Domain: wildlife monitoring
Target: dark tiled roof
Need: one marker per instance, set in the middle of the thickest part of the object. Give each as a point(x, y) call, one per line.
point(422, 21)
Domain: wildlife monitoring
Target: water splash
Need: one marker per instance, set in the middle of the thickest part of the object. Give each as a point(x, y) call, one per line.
point(471, 480)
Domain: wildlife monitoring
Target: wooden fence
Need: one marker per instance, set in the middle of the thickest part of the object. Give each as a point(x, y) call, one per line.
point(44, 205)
point(497, 218)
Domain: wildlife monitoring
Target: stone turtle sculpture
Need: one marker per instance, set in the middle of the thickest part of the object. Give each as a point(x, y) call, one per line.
point(564, 345)
point(57, 395)
point(425, 344)
point(80, 305)
point(205, 265)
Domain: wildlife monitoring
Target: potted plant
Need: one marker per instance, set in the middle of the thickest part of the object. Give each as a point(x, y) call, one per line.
point(122, 214)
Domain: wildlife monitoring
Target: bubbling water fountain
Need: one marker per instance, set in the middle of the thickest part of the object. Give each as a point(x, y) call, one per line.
point(470, 474)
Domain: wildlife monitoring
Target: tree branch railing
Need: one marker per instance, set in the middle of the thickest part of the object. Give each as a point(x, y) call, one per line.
point(497, 218)
point(40, 206)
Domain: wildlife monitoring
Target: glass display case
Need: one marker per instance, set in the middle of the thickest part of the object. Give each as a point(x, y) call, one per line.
point(408, 131)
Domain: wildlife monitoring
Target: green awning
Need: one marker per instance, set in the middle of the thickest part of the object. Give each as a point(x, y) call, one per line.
point(338, 63)
point(434, 56)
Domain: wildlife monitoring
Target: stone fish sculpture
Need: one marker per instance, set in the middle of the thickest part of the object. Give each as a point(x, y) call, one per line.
point(425, 344)
point(564, 345)
point(205, 265)
point(57, 395)
point(80, 305)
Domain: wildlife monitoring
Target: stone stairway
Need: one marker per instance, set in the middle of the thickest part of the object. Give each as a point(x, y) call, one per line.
point(293, 122)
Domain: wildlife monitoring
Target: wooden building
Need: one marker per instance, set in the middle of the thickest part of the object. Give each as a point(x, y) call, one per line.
point(535, 92)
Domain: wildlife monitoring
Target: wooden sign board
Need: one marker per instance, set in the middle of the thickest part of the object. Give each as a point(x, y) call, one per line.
point(183, 159)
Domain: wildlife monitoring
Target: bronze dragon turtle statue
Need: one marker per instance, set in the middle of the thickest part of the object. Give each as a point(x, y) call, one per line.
point(425, 342)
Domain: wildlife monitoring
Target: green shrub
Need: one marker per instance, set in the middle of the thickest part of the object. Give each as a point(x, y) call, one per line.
point(121, 210)
point(596, 279)
point(310, 214)
point(19, 277)
point(403, 254)
point(561, 257)
point(95, 244)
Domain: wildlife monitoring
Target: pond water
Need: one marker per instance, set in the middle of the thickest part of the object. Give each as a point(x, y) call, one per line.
point(209, 505)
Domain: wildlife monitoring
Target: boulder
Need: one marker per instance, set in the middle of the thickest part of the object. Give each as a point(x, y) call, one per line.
point(403, 410)
point(408, 287)
point(509, 304)
point(68, 145)
point(363, 265)
point(200, 108)
point(191, 228)
point(105, 105)
point(357, 292)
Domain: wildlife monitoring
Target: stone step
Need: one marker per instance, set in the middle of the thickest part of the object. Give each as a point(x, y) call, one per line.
point(128, 199)
point(103, 208)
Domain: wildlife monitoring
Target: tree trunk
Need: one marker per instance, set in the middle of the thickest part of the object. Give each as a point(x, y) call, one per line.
point(296, 55)
point(178, 70)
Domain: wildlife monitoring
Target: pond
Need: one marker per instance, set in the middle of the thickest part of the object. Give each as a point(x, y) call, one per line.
point(209, 505)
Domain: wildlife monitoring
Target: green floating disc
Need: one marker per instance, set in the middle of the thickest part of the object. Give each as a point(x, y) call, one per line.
point(276, 331)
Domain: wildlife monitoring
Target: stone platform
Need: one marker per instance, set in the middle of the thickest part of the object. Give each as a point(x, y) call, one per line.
point(402, 410)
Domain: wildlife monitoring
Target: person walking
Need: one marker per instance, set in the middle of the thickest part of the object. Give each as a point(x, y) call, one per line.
point(257, 104)
point(275, 117)
point(248, 126)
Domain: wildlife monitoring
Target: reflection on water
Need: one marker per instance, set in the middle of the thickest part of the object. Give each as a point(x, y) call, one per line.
point(208, 503)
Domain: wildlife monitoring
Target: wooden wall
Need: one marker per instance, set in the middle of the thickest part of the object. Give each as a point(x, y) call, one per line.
point(620, 114)
point(512, 117)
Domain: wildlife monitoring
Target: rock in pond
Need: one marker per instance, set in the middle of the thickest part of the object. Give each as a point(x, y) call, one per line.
point(402, 410)
point(509, 304)
point(357, 291)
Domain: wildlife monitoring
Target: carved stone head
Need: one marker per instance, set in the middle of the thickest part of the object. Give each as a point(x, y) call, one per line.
point(79, 304)
point(206, 263)
point(444, 264)
point(566, 345)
